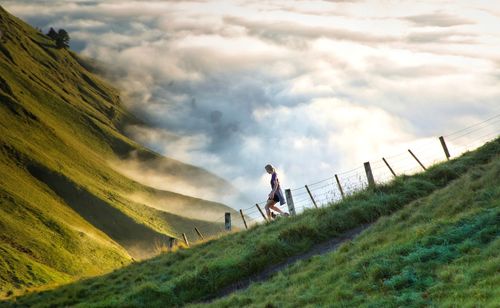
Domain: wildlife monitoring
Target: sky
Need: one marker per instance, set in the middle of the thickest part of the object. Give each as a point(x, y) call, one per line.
point(312, 87)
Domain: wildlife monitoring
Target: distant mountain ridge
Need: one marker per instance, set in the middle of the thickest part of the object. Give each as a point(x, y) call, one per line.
point(64, 211)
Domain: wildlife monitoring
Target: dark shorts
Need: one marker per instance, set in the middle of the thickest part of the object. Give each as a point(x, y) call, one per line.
point(276, 198)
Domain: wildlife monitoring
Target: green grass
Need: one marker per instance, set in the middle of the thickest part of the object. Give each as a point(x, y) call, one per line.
point(441, 250)
point(195, 274)
point(55, 127)
point(65, 213)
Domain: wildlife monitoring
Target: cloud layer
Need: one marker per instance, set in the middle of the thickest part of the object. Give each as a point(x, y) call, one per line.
point(313, 87)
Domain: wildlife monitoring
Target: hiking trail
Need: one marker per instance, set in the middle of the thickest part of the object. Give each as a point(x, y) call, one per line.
point(318, 249)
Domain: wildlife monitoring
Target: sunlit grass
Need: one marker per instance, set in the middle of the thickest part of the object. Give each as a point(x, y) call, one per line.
point(198, 273)
point(60, 121)
point(57, 117)
point(441, 250)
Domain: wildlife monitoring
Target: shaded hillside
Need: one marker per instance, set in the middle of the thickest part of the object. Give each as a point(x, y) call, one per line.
point(425, 219)
point(64, 212)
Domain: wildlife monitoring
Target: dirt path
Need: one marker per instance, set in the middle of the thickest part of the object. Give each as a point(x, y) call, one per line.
point(318, 249)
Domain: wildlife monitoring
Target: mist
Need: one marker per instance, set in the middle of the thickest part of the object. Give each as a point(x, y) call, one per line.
point(175, 177)
point(312, 87)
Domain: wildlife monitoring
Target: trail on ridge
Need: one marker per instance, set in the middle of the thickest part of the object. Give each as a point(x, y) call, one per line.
point(319, 249)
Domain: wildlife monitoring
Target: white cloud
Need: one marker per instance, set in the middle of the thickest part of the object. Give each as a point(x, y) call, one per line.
point(438, 19)
point(313, 87)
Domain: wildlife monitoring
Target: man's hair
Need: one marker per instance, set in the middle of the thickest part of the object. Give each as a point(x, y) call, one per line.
point(269, 167)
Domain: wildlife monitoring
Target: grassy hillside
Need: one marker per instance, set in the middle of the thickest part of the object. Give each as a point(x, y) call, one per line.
point(64, 211)
point(439, 251)
point(468, 185)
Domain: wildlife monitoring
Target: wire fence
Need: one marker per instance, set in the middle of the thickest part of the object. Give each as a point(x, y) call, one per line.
point(335, 187)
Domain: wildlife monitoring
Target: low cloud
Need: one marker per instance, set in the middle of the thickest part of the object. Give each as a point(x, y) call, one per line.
point(233, 86)
point(438, 19)
point(297, 35)
point(448, 37)
point(179, 206)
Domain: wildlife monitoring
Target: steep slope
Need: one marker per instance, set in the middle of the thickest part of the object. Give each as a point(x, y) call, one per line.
point(197, 274)
point(64, 211)
point(439, 251)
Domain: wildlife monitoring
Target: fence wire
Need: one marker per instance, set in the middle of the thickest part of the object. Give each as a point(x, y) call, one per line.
point(326, 191)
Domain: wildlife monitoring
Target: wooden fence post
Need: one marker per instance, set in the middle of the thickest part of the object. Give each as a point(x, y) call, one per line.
point(185, 239)
point(261, 213)
point(310, 195)
point(369, 175)
point(227, 221)
point(388, 166)
point(289, 202)
point(445, 148)
point(340, 187)
point(199, 233)
point(171, 243)
point(418, 161)
point(243, 217)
